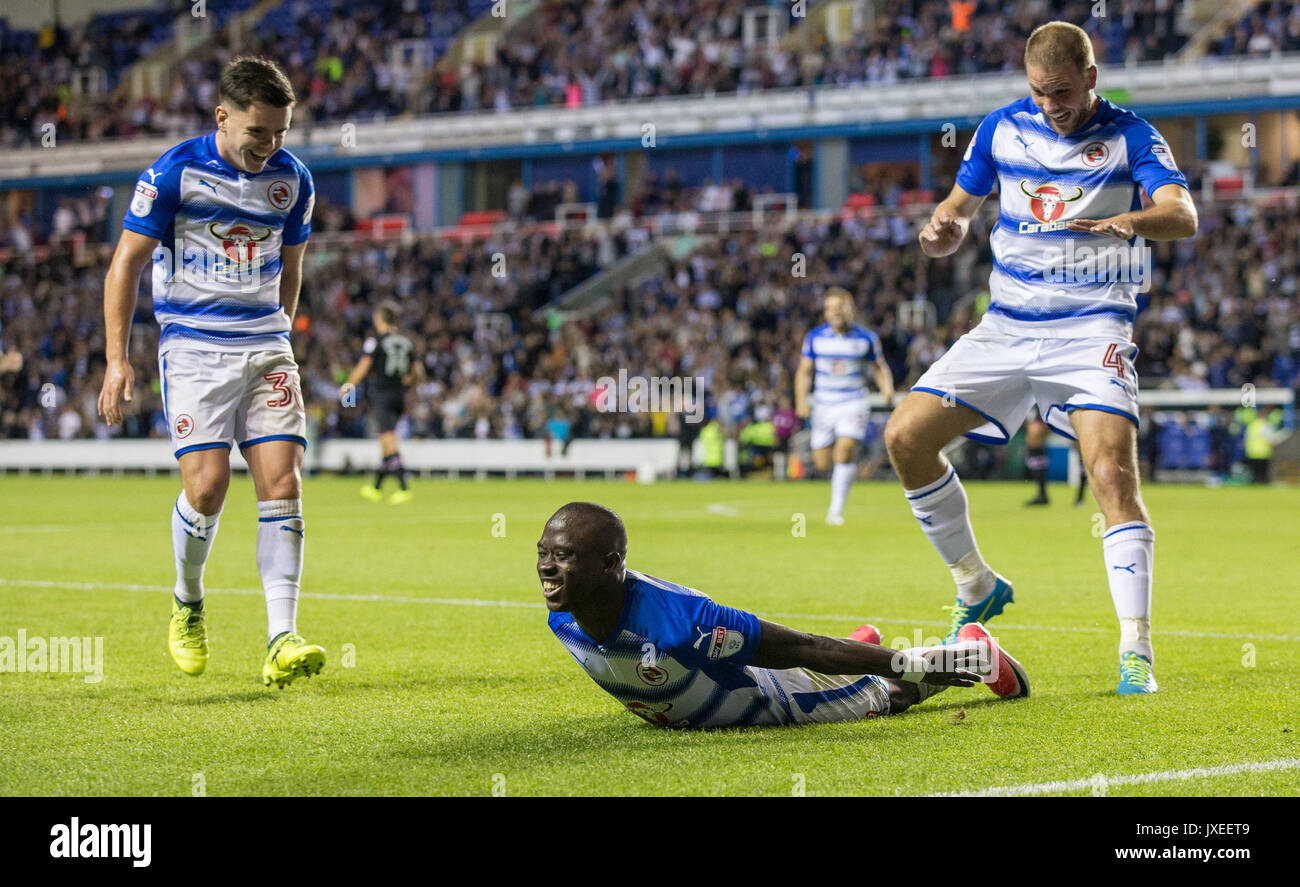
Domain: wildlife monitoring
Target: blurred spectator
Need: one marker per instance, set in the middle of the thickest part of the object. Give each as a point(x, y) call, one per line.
point(367, 60)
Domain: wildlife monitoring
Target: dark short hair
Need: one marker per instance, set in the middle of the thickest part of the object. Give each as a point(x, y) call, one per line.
point(597, 526)
point(388, 310)
point(246, 80)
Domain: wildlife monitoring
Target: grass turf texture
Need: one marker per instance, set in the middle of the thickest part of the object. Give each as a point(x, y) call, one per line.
point(448, 697)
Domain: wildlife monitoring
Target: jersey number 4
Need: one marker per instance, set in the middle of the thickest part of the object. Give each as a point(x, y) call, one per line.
point(280, 382)
point(1112, 359)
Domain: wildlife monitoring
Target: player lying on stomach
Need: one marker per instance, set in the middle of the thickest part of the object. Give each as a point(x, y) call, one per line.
point(674, 657)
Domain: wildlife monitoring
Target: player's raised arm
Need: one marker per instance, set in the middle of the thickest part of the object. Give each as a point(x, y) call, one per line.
point(782, 647)
point(948, 223)
point(133, 252)
point(1171, 216)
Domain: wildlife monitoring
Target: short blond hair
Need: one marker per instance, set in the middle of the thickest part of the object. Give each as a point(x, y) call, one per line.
point(837, 292)
point(1059, 45)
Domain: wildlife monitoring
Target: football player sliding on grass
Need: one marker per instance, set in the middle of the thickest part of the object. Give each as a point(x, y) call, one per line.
point(677, 659)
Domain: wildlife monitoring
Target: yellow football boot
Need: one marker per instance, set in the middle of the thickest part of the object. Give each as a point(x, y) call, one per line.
point(291, 657)
point(187, 639)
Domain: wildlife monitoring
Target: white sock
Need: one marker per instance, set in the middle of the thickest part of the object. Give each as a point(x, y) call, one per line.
point(941, 509)
point(1129, 552)
point(841, 479)
point(192, 535)
point(279, 561)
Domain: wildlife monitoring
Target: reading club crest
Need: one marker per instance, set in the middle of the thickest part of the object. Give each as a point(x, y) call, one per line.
point(1094, 154)
point(280, 194)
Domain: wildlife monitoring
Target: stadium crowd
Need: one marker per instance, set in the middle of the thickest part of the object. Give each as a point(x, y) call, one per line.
point(360, 60)
point(1224, 311)
point(1269, 27)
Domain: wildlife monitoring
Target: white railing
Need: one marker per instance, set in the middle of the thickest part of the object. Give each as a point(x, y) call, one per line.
point(647, 459)
point(1177, 399)
point(949, 98)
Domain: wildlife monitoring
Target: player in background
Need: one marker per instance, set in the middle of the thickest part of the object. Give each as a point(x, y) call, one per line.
point(398, 371)
point(834, 365)
point(677, 659)
point(1068, 255)
point(1036, 456)
point(1036, 461)
point(225, 218)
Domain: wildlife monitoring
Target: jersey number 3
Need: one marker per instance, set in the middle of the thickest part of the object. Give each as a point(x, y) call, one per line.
point(1112, 359)
point(280, 382)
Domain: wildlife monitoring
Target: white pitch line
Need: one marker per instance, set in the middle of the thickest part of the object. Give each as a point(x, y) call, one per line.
point(1067, 628)
point(379, 598)
point(1101, 780)
point(36, 528)
point(478, 602)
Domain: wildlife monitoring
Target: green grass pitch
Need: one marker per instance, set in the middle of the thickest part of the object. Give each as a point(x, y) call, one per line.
point(454, 685)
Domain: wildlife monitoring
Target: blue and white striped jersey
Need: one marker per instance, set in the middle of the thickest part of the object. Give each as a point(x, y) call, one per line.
point(1047, 281)
point(216, 272)
point(841, 362)
point(676, 658)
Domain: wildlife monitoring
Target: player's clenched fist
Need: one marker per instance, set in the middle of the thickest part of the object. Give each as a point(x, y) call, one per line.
point(119, 385)
point(942, 234)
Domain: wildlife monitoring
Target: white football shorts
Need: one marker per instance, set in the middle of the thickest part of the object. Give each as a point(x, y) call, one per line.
point(832, 421)
point(217, 398)
point(1001, 377)
point(806, 697)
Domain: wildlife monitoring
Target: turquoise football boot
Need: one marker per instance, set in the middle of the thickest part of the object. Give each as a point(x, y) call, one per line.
point(981, 612)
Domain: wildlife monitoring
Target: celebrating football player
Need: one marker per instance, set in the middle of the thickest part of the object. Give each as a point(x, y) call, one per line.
point(677, 659)
point(1068, 262)
point(232, 209)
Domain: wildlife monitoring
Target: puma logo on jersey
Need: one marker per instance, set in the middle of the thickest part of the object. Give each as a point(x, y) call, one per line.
point(704, 633)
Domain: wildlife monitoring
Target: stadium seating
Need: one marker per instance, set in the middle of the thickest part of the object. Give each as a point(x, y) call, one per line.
point(345, 57)
point(497, 370)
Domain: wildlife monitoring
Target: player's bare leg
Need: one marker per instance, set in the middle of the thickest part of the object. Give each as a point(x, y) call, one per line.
point(915, 436)
point(844, 452)
point(276, 468)
point(1108, 445)
point(205, 477)
point(917, 432)
point(822, 460)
